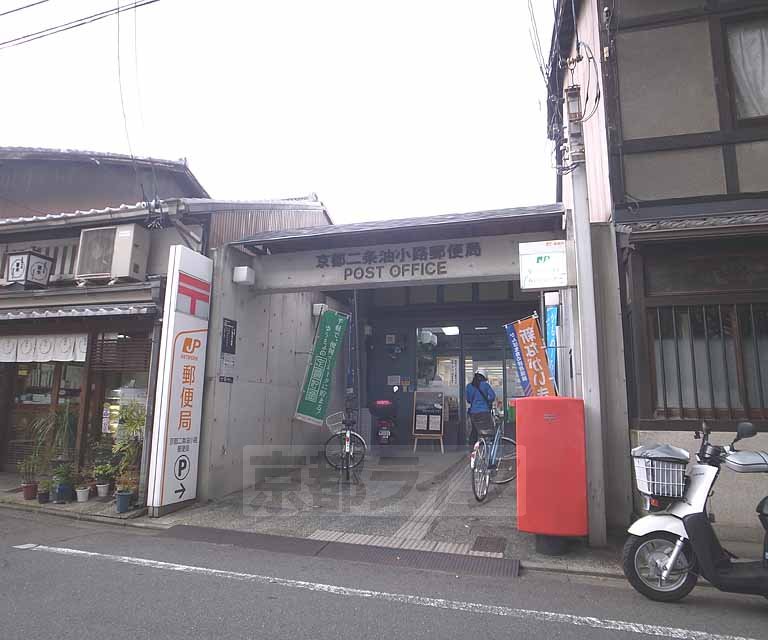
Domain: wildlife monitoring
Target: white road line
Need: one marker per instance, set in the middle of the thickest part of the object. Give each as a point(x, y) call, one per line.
point(401, 598)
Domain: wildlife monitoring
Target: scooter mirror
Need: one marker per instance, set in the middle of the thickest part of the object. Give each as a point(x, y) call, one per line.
point(745, 430)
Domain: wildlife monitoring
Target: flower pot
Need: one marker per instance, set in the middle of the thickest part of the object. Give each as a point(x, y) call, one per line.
point(123, 502)
point(43, 497)
point(29, 489)
point(63, 493)
point(102, 490)
point(83, 494)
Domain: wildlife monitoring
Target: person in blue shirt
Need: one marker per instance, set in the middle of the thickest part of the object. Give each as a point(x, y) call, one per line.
point(480, 399)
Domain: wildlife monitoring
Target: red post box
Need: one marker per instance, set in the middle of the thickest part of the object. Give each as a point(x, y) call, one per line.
point(551, 467)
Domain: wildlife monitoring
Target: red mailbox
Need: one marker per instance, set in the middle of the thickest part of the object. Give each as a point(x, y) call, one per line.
point(551, 466)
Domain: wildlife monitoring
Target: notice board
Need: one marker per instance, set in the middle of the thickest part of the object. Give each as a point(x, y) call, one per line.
point(428, 414)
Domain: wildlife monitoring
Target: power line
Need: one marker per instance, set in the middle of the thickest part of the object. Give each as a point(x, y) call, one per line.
point(26, 6)
point(30, 37)
point(122, 99)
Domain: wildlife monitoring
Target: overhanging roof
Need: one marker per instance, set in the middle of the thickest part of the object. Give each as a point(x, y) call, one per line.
point(79, 311)
point(546, 218)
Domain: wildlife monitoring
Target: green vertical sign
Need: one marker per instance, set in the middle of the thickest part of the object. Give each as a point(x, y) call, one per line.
point(316, 390)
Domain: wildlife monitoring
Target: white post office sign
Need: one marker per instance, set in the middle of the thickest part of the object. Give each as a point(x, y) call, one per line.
point(181, 374)
point(543, 265)
point(469, 259)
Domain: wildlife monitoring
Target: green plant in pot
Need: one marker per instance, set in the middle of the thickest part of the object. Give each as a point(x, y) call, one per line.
point(44, 491)
point(28, 468)
point(127, 449)
point(104, 473)
point(82, 489)
point(62, 479)
point(54, 433)
point(124, 493)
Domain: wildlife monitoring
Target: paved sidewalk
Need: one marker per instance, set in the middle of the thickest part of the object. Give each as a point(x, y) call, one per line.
point(401, 500)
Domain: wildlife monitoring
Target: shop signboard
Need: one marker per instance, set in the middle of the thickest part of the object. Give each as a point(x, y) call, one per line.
point(181, 374)
point(472, 259)
point(551, 311)
point(530, 356)
point(316, 390)
point(428, 413)
point(543, 265)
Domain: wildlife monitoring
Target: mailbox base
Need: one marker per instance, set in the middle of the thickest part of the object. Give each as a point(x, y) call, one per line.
point(552, 545)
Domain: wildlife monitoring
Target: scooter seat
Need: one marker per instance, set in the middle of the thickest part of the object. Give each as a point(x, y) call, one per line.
point(747, 461)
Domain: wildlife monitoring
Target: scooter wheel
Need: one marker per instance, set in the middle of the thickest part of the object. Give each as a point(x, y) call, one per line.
point(643, 560)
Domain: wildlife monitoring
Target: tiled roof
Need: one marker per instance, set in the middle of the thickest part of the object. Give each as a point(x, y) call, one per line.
point(707, 222)
point(51, 217)
point(23, 153)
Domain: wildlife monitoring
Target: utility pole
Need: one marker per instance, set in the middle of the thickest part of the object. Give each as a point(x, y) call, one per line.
point(585, 282)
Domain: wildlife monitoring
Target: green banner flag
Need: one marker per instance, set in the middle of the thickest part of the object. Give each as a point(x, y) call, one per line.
point(316, 390)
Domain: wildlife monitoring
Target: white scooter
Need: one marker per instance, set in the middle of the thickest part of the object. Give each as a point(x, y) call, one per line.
point(669, 549)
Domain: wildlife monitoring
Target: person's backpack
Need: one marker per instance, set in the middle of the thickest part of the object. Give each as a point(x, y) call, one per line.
point(482, 393)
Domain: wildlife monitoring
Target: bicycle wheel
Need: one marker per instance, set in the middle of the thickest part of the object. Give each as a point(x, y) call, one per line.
point(335, 454)
point(481, 474)
point(506, 461)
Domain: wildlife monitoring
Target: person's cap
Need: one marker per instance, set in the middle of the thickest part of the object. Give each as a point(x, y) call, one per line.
point(481, 372)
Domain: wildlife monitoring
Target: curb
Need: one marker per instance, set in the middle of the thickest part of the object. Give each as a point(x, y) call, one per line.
point(543, 567)
point(534, 566)
point(85, 517)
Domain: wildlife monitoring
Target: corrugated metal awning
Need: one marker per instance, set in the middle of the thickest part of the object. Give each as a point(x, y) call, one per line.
point(79, 311)
point(543, 218)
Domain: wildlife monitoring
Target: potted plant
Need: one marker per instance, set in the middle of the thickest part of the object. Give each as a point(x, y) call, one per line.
point(62, 480)
point(124, 493)
point(104, 474)
point(44, 491)
point(28, 470)
point(82, 489)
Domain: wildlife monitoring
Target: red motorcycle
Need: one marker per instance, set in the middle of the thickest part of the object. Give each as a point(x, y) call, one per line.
point(384, 412)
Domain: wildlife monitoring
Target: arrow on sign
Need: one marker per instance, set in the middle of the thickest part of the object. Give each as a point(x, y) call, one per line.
point(180, 491)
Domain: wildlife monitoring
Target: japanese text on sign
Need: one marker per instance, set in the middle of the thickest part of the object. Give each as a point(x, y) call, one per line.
point(405, 262)
point(315, 393)
point(530, 357)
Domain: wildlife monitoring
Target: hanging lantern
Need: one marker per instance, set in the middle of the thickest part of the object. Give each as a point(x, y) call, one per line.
point(29, 268)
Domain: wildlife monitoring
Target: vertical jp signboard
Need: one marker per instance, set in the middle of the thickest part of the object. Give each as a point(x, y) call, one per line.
point(316, 390)
point(530, 357)
point(180, 378)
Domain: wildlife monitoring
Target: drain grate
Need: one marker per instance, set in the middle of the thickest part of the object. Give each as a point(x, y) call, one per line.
point(491, 544)
point(430, 560)
point(413, 558)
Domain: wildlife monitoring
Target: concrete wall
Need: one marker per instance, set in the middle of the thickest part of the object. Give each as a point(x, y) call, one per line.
point(274, 337)
point(618, 480)
point(736, 494)
point(161, 241)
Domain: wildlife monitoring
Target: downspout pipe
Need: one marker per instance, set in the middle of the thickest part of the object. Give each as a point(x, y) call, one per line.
point(154, 362)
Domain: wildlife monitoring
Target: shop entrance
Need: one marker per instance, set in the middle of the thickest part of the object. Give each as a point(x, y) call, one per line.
point(433, 339)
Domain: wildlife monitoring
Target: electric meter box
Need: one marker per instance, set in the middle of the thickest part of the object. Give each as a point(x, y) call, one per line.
point(551, 466)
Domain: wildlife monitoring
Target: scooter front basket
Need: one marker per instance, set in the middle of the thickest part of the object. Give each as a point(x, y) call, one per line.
point(660, 470)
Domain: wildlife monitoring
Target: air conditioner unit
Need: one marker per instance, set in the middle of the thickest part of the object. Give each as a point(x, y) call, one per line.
point(113, 252)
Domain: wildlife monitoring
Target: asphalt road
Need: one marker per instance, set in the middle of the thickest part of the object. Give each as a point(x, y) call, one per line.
point(83, 581)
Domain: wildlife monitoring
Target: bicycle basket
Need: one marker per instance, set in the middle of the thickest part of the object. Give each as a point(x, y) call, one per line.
point(334, 421)
point(660, 470)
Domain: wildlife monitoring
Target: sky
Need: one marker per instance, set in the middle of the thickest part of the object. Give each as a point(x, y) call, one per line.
point(385, 110)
